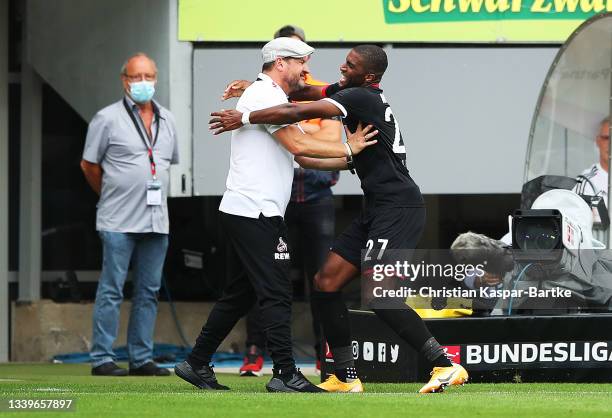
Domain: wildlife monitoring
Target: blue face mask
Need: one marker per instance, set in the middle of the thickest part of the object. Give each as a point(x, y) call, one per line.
point(142, 91)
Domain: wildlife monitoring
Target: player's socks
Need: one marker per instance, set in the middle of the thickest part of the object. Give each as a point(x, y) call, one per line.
point(411, 328)
point(334, 319)
point(433, 352)
point(335, 323)
point(442, 361)
point(346, 374)
point(343, 357)
point(344, 364)
point(405, 322)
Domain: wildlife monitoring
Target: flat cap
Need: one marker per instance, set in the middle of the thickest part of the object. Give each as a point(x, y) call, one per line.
point(285, 48)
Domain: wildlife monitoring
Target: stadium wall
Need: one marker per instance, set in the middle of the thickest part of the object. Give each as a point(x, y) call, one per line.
point(44, 329)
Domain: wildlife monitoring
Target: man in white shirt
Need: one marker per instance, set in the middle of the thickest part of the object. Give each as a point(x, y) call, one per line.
point(594, 180)
point(252, 210)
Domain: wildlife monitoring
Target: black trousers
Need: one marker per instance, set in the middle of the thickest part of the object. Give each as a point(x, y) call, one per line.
point(311, 233)
point(258, 271)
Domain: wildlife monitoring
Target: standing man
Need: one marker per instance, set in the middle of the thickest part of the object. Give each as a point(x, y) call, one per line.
point(310, 218)
point(252, 210)
point(393, 217)
point(128, 151)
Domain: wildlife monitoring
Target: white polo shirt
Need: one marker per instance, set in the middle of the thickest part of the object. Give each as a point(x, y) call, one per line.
point(261, 170)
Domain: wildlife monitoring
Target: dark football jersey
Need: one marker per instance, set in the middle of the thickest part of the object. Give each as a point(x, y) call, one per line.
point(381, 167)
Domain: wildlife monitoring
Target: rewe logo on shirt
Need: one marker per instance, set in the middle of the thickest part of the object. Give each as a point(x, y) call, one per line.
point(282, 248)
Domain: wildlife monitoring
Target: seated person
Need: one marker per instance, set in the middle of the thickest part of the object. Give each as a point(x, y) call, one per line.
point(594, 180)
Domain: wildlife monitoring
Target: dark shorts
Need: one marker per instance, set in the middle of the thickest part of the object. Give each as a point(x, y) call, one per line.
point(395, 228)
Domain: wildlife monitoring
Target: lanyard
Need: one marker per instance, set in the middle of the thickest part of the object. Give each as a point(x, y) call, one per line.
point(149, 148)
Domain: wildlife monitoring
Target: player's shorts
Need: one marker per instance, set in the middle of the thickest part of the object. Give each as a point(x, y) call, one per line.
point(394, 228)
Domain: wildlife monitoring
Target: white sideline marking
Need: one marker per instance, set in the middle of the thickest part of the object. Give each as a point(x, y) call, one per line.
point(371, 394)
point(51, 390)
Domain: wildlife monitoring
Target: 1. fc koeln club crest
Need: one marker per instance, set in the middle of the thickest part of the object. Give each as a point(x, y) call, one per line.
point(281, 249)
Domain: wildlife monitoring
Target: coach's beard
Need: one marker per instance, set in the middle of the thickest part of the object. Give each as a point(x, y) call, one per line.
point(296, 84)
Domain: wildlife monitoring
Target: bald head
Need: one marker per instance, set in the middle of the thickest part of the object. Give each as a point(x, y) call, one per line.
point(138, 60)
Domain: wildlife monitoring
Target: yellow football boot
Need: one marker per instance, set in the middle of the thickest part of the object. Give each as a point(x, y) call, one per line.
point(333, 384)
point(442, 377)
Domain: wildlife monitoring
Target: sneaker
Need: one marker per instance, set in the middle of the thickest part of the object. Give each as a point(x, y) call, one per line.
point(441, 377)
point(203, 378)
point(108, 369)
point(333, 384)
point(149, 369)
point(318, 368)
point(290, 381)
point(253, 363)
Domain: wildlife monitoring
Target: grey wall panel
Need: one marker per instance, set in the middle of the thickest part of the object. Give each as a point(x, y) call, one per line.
point(213, 69)
point(79, 47)
point(180, 68)
point(464, 112)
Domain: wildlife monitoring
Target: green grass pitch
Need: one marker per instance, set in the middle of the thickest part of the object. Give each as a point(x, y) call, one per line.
point(169, 397)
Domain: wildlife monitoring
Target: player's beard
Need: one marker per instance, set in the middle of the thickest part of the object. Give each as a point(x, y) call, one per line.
point(346, 82)
point(350, 81)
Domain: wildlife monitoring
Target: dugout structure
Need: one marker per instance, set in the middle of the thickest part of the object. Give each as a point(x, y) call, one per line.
point(560, 348)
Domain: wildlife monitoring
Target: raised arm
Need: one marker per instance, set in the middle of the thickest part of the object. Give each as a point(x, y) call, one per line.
point(228, 120)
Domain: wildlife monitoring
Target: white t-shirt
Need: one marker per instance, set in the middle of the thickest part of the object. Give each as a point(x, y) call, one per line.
point(261, 169)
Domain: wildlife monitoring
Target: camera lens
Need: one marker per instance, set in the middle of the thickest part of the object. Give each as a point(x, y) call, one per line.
point(538, 234)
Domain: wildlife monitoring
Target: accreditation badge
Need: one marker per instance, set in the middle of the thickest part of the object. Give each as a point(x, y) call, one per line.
point(154, 193)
